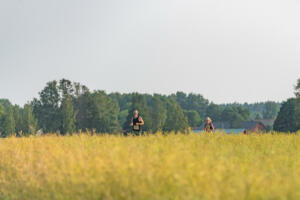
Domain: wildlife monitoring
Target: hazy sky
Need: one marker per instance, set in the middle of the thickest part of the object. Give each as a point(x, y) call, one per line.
point(233, 50)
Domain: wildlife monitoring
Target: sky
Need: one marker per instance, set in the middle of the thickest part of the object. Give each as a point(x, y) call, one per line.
point(228, 51)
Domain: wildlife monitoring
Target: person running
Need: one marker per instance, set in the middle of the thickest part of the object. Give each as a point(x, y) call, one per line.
point(136, 123)
point(208, 126)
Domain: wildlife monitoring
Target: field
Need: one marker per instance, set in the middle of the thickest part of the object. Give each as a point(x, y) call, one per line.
point(151, 167)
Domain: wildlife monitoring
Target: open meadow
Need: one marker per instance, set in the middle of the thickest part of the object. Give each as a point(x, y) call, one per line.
point(151, 167)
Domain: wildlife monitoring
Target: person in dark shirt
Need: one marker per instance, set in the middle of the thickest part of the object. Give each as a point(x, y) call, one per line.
point(136, 123)
point(208, 126)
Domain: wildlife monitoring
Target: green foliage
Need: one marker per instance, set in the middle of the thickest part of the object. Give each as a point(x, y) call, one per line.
point(297, 89)
point(47, 108)
point(17, 111)
point(103, 113)
point(288, 119)
point(68, 115)
point(29, 121)
point(83, 108)
point(176, 120)
point(258, 108)
point(122, 116)
point(5, 103)
point(9, 122)
point(2, 111)
point(2, 115)
point(235, 115)
point(214, 112)
point(159, 113)
point(271, 110)
point(191, 102)
point(194, 118)
point(258, 116)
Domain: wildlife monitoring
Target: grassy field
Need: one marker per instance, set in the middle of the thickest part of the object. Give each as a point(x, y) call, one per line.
point(151, 167)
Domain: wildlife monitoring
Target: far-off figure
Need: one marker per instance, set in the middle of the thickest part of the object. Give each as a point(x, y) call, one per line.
point(136, 123)
point(208, 126)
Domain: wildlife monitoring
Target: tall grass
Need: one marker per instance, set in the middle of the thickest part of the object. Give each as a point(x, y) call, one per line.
point(151, 167)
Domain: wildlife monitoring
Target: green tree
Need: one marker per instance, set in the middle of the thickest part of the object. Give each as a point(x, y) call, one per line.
point(122, 117)
point(47, 108)
point(235, 115)
point(288, 117)
point(214, 112)
point(176, 120)
point(271, 110)
point(193, 117)
point(198, 103)
point(159, 113)
point(66, 88)
point(29, 121)
point(191, 102)
point(18, 118)
point(83, 107)
point(68, 115)
point(258, 116)
point(2, 118)
point(9, 122)
point(181, 99)
point(104, 113)
point(297, 89)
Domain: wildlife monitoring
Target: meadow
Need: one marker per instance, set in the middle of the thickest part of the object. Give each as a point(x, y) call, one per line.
point(192, 166)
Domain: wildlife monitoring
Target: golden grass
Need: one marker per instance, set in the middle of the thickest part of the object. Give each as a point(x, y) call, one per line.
point(151, 167)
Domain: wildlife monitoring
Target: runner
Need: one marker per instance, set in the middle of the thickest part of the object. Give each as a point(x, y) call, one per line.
point(208, 126)
point(136, 123)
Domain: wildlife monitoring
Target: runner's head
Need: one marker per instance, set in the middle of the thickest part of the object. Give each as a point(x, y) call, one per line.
point(135, 113)
point(208, 120)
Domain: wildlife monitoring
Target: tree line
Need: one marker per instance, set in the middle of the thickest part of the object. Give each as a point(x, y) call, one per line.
point(288, 119)
point(67, 107)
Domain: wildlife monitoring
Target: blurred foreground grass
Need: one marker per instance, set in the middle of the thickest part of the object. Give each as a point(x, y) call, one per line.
point(151, 167)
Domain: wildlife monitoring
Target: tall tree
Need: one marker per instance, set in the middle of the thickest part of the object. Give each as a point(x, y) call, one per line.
point(287, 119)
point(181, 98)
point(214, 112)
point(297, 89)
point(9, 122)
point(271, 110)
point(159, 113)
point(193, 117)
point(176, 120)
point(66, 88)
point(47, 108)
point(18, 118)
point(191, 102)
point(235, 115)
point(104, 113)
point(68, 115)
point(83, 107)
point(2, 118)
point(29, 121)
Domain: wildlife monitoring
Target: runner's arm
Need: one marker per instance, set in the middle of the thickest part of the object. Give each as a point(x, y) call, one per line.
point(141, 121)
point(212, 127)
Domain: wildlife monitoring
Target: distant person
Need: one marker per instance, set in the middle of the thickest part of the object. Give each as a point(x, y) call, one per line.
point(136, 123)
point(208, 126)
point(245, 132)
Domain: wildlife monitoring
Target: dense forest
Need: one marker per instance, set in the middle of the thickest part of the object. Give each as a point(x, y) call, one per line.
point(67, 107)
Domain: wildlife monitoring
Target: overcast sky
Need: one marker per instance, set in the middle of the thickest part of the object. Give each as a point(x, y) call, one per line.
point(228, 51)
